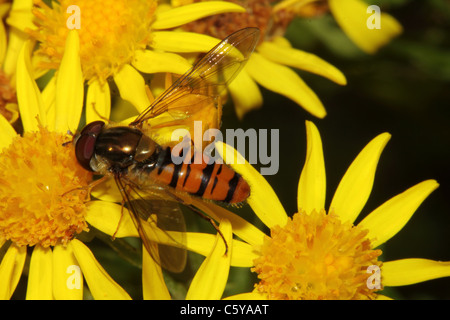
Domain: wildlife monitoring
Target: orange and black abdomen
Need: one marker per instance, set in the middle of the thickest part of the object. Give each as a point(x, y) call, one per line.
point(213, 181)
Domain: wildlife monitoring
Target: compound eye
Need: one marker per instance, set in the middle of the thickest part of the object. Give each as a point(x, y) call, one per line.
point(85, 144)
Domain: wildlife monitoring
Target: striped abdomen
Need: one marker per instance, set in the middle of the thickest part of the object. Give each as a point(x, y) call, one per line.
point(213, 181)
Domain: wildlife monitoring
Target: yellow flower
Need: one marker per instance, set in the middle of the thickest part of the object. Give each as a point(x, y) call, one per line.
point(11, 41)
point(320, 255)
point(43, 193)
point(356, 18)
point(117, 39)
point(270, 65)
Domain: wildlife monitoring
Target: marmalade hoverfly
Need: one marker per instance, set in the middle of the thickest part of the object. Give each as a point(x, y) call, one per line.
point(148, 180)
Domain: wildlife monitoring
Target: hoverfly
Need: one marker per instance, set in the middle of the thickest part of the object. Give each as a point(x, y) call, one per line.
point(149, 181)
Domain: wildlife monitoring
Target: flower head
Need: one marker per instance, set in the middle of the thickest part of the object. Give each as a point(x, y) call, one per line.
point(45, 196)
point(320, 254)
point(118, 40)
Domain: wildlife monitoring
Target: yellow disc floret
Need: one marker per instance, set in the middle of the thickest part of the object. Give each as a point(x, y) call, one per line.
point(110, 32)
point(42, 190)
point(316, 256)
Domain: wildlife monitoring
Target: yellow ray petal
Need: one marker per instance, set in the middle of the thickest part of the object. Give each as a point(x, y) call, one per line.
point(3, 42)
point(107, 190)
point(101, 285)
point(245, 94)
point(283, 80)
point(11, 270)
point(69, 86)
point(149, 61)
point(262, 199)
point(383, 297)
point(182, 41)
point(28, 94)
point(21, 16)
point(210, 280)
point(356, 185)
point(312, 184)
point(153, 285)
point(107, 217)
point(131, 86)
point(67, 276)
point(8, 133)
point(302, 60)
point(389, 218)
point(40, 284)
point(181, 15)
point(16, 40)
point(353, 18)
point(98, 101)
point(409, 271)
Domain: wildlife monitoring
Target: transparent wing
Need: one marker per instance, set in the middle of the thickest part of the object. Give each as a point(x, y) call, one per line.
point(153, 215)
point(202, 85)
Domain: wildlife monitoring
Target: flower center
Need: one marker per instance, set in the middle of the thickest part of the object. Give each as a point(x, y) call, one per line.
point(315, 257)
point(42, 190)
point(258, 14)
point(110, 32)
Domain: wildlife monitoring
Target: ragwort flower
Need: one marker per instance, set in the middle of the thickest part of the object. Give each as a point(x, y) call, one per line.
point(322, 255)
point(117, 40)
point(44, 194)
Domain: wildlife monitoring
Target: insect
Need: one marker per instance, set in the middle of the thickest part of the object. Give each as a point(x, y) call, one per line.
point(149, 181)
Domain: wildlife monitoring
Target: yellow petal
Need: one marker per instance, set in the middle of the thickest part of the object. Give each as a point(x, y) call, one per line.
point(16, 40)
point(69, 86)
point(302, 60)
point(11, 270)
point(182, 41)
point(149, 61)
point(389, 218)
point(40, 278)
point(210, 280)
point(409, 271)
point(101, 285)
point(21, 16)
point(153, 285)
point(28, 94)
point(8, 133)
point(3, 42)
point(107, 217)
point(181, 15)
point(262, 199)
point(312, 184)
point(132, 87)
point(353, 18)
point(98, 101)
point(67, 276)
point(107, 190)
point(356, 185)
point(283, 80)
point(245, 94)
point(382, 297)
